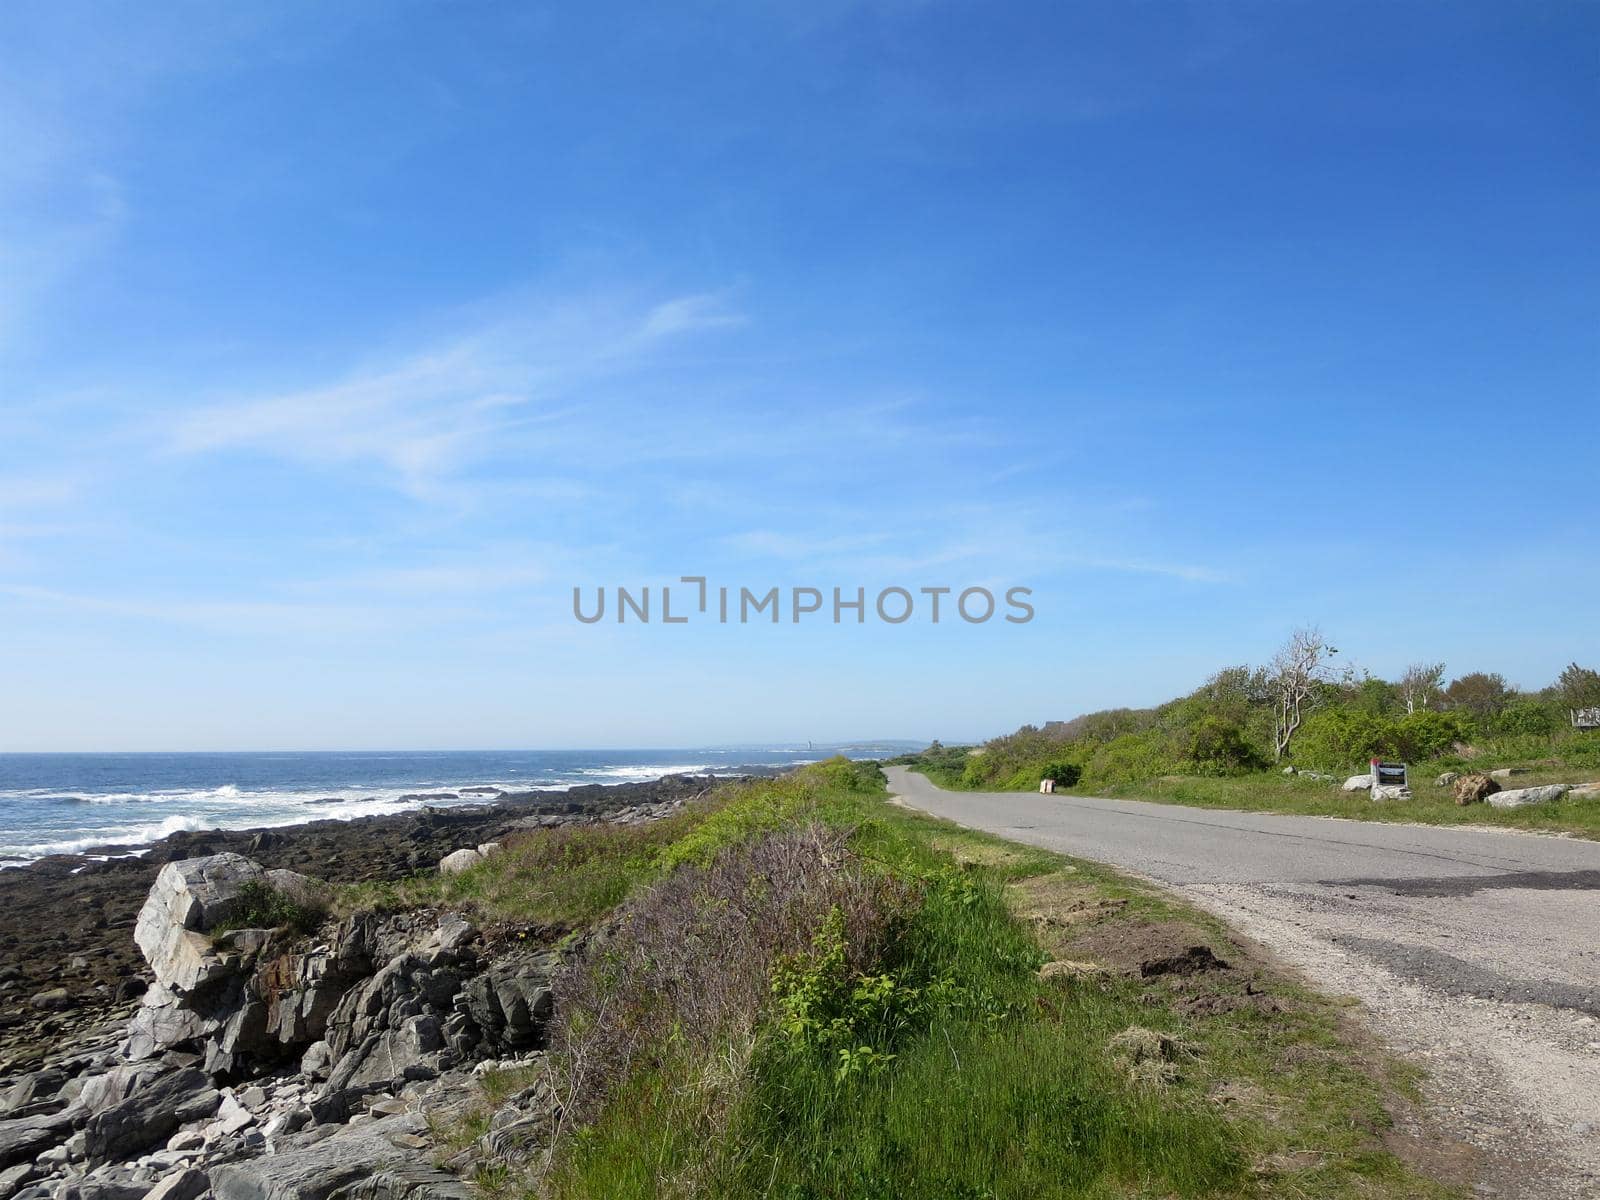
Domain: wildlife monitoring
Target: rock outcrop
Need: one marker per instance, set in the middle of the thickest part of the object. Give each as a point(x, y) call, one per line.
point(510, 1003)
point(379, 1161)
point(268, 1064)
point(1357, 783)
point(1525, 797)
point(189, 899)
point(149, 1113)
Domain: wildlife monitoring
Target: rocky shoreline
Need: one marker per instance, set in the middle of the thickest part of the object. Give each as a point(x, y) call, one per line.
point(150, 1048)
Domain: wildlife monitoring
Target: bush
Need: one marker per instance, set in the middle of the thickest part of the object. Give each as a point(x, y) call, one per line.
point(1425, 734)
point(1218, 744)
point(689, 963)
point(262, 906)
point(1526, 718)
point(1338, 739)
point(1130, 758)
point(1066, 774)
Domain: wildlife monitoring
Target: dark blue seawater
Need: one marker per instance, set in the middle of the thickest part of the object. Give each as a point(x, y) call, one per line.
point(63, 803)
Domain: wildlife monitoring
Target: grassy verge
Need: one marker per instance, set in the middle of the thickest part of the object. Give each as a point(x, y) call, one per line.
point(796, 989)
point(1429, 805)
point(1298, 794)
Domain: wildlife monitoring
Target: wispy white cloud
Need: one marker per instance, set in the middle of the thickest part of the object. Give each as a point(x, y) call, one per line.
point(30, 492)
point(429, 414)
point(1188, 572)
point(689, 314)
point(245, 618)
point(769, 543)
point(974, 539)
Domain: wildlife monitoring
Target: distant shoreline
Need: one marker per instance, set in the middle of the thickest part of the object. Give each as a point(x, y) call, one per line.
point(96, 804)
point(66, 920)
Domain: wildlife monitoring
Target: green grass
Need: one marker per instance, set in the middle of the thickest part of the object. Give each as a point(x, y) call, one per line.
point(1003, 1085)
point(1270, 791)
point(261, 906)
point(570, 876)
point(1429, 805)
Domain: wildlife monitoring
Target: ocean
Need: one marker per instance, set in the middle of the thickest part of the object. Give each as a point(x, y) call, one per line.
point(68, 803)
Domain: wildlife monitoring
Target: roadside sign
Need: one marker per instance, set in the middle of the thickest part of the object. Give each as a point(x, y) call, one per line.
point(1586, 718)
point(1388, 774)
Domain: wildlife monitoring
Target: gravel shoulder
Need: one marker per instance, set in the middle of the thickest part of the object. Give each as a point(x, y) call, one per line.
point(1476, 954)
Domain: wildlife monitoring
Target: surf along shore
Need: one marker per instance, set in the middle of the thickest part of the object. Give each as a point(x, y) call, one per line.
point(67, 954)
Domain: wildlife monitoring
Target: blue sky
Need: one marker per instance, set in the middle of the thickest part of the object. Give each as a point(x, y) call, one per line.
point(338, 343)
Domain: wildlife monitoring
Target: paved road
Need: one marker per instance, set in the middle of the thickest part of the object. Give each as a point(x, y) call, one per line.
point(1477, 952)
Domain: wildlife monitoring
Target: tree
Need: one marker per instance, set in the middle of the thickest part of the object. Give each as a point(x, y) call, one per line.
point(1481, 693)
point(1421, 685)
point(1580, 686)
point(1295, 679)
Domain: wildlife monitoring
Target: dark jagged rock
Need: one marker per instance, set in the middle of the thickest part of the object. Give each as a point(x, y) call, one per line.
point(149, 1114)
point(373, 1162)
point(511, 1003)
point(366, 1027)
point(23, 1137)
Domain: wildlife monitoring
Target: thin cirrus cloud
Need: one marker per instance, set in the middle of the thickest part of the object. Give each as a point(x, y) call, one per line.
point(238, 618)
point(1019, 544)
point(429, 415)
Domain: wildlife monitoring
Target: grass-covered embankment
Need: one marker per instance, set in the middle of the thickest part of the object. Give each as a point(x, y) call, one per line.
point(1226, 744)
point(794, 988)
point(1307, 795)
point(1429, 805)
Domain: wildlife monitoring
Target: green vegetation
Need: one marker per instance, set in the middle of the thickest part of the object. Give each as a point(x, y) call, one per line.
point(1217, 745)
point(1430, 805)
point(799, 990)
point(261, 906)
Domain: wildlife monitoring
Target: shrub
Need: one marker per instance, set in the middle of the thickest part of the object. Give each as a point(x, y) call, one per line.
point(1130, 758)
point(1219, 744)
point(1526, 718)
point(1425, 734)
point(1065, 773)
point(690, 961)
point(262, 906)
point(1338, 739)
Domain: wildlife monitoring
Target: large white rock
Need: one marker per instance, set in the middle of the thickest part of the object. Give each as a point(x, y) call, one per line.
point(1357, 783)
point(459, 861)
point(1585, 791)
point(1523, 797)
point(1381, 792)
point(163, 1021)
point(186, 900)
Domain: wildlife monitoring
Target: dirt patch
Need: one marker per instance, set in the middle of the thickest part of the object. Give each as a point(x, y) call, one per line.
point(1194, 960)
point(1205, 1002)
point(1143, 949)
point(973, 853)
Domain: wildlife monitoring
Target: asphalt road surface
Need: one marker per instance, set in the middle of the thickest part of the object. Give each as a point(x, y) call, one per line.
point(1475, 951)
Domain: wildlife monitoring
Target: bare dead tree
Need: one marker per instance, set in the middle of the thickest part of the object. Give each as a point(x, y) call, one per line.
point(1421, 685)
point(1295, 677)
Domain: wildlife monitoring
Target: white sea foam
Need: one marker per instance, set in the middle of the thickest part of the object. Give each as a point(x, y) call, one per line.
point(648, 771)
point(39, 821)
point(115, 835)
